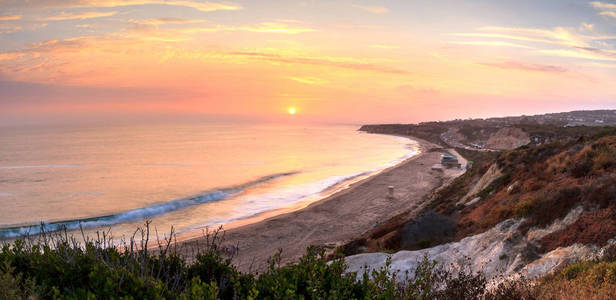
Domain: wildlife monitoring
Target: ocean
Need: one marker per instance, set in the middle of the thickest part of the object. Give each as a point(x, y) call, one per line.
point(189, 175)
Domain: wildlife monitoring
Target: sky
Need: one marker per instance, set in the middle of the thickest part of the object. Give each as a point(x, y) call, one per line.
point(347, 61)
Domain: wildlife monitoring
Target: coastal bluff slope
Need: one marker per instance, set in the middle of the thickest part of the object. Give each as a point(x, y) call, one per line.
point(528, 211)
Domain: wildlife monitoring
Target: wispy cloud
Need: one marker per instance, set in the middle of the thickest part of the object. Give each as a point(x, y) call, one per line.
point(266, 27)
point(384, 46)
point(611, 14)
point(63, 60)
point(587, 27)
point(79, 16)
point(412, 90)
point(10, 56)
point(9, 28)
point(527, 67)
point(321, 61)
point(308, 80)
point(571, 42)
point(57, 60)
point(199, 5)
point(605, 9)
point(557, 35)
point(491, 43)
point(603, 5)
point(149, 30)
point(161, 21)
point(503, 36)
point(54, 46)
point(10, 18)
point(375, 9)
point(585, 54)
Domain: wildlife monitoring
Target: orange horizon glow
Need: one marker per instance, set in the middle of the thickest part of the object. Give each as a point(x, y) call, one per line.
point(392, 62)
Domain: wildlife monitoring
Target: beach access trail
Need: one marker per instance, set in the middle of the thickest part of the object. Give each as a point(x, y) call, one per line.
point(341, 217)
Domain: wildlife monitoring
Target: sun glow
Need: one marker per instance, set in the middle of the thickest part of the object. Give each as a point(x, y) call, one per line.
point(292, 110)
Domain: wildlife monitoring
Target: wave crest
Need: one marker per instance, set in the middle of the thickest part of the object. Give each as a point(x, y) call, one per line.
point(137, 213)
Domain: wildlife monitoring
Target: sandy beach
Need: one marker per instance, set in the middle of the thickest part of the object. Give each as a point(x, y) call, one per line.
point(340, 217)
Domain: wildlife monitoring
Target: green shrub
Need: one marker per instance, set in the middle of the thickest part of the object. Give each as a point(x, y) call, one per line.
point(13, 286)
point(526, 207)
point(572, 271)
point(197, 290)
point(58, 267)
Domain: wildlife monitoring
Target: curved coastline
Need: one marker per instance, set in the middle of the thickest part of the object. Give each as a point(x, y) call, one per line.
point(11, 231)
point(335, 219)
point(329, 192)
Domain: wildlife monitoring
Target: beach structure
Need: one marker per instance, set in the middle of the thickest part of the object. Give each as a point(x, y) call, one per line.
point(449, 160)
point(390, 192)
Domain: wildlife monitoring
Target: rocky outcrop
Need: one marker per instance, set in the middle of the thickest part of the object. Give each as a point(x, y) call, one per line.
point(500, 251)
point(508, 138)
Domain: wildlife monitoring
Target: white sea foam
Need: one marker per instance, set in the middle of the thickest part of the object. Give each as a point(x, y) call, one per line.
point(135, 214)
point(176, 164)
point(255, 204)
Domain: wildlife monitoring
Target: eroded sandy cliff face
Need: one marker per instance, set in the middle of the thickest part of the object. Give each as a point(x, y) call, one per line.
point(508, 138)
point(528, 211)
point(493, 173)
point(500, 251)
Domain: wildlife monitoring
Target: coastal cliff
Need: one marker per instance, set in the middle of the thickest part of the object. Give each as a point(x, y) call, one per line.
point(530, 212)
point(503, 133)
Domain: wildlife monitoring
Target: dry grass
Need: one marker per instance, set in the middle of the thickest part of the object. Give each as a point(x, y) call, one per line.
point(583, 280)
point(549, 181)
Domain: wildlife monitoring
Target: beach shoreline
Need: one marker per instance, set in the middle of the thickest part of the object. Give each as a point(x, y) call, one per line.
point(328, 193)
point(335, 219)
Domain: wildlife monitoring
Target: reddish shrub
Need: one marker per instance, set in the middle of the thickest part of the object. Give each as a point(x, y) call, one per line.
point(595, 227)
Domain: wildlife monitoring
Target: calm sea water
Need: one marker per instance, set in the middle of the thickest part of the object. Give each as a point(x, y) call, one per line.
point(187, 175)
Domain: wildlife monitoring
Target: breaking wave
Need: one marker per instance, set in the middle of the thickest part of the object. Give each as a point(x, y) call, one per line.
point(137, 213)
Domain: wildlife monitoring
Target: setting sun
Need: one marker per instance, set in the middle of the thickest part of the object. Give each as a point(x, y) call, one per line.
point(294, 125)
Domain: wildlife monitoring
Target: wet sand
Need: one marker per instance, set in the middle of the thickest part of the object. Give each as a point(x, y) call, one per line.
point(340, 217)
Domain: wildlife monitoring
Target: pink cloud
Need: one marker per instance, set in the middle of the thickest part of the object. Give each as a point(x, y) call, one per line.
point(527, 67)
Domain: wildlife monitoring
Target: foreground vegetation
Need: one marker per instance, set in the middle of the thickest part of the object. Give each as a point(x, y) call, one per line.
point(538, 183)
point(582, 280)
point(57, 266)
